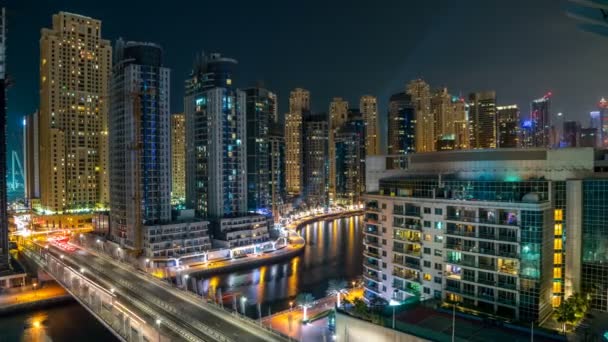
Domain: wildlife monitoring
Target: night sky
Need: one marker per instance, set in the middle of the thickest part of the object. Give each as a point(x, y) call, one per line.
point(520, 48)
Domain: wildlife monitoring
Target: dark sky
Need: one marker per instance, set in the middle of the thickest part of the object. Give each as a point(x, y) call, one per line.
point(520, 48)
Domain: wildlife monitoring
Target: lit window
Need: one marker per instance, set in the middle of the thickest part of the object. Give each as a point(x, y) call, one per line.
point(557, 258)
point(557, 287)
point(558, 229)
point(556, 301)
point(558, 215)
point(427, 277)
point(557, 272)
point(558, 244)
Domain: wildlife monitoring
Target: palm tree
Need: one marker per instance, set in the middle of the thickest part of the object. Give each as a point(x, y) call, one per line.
point(336, 288)
point(564, 314)
point(305, 300)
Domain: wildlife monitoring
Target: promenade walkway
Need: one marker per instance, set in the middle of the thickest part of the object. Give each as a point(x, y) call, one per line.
point(48, 292)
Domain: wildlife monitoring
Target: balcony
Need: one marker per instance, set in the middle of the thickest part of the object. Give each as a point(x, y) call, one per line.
point(507, 301)
point(495, 221)
point(487, 251)
point(372, 232)
point(371, 277)
point(407, 288)
point(371, 220)
point(406, 251)
point(406, 239)
point(373, 209)
point(373, 287)
point(372, 266)
point(505, 237)
point(508, 286)
point(486, 297)
point(460, 232)
point(489, 267)
point(370, 254)
point(453, 289)
point(407, 264)
point(469, 278)
point(407, 276)
point(508, 254)
point(371, 243)
point(486, 282)
point(462, 262)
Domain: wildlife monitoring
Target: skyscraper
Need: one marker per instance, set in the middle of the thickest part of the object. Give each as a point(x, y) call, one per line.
point(460, 111)
point(4, 257)
point(350, 159)
point(588, 137)
point(276, 142)
point(603, 129)
point(482, 119)
point(338, 112)
point(216, 164)
point(75, 64)
point(299, 102)
point(571, 133)
point(178, 158)
point(541, 121)
point(139, 141)
point(401, 125)
point(31, 158)
point(215, 138)
point(441, 111)
point(369, 109)
point(315, 161)
point(420, 93)
point(508, 126)
point(261, 107)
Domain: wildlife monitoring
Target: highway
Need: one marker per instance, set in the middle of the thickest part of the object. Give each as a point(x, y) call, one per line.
point(183, 314)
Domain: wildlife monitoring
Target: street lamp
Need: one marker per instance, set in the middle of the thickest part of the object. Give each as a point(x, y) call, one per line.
point(243, 300)
point(186, 281)
point(394, 303)
point(158, 321)
point(35, 293)
point(82, 270)
point(290, 305)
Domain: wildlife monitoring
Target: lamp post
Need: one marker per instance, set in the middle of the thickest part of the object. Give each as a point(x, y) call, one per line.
point(243, 301)
point(186, 281)
point(35, 293)
point(158, 322)
point(290, 305)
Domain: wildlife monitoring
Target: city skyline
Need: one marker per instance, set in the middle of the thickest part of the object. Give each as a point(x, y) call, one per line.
point(386, 68)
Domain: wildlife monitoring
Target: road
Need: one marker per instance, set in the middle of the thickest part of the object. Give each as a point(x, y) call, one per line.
point(176, 309)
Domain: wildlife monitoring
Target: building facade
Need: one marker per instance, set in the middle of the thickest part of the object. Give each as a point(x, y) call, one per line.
point(571, 133)
point(75, 64)
point(350, 159)
point(508, 126)
point(316, 165)
point(401, 125)
point(368, 105)
point(338, 114)
point(588, 137)
point(216, 160)
point(140, 157)
point(484, 228)
point(420, 94)
point(178, 158)
point(482, 120)
point(276, 162)
point(299, 104)
point(540, 119)
point(4, 256)
point(261, 107)
point(31, 153)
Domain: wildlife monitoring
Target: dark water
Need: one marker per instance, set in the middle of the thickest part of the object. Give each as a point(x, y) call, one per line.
point(65, 322)
point(333, 250)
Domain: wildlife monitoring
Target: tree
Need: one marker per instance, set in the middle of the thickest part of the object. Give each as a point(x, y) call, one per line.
point(336, 288)
point(572, 310)
point(305, 300)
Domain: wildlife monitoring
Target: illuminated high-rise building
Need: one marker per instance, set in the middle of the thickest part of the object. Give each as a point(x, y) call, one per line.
point(460, 112)
point(316, 165)
point(441, 111)
point(75, 65)
point(482, 120)
point(508, 126)
point(401, 125)
point(420, 93)
point(588, 137)
point(571, 133)
point(299, 102)
point(261, 107)
point(4, 257)
point(276, 163)
point(603, 127)
point(216, 163)
point(350, 159)
point(338, 112)
point(178, 158)
point(31, 154)
point(369, 109)
point(540, 119)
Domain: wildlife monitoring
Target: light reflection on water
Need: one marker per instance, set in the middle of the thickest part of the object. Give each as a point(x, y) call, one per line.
point(333, 251)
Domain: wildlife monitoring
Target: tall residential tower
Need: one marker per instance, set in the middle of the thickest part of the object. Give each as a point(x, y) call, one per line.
point(75, 65)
